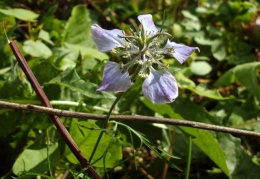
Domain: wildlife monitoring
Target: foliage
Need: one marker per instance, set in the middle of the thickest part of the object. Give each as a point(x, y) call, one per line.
point(219, 85)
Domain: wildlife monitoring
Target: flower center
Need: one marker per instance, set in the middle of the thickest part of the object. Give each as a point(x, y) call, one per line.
point(143, 49)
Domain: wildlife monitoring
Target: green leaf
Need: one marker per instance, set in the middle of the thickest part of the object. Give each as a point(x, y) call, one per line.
point(71, 80)
point(245, 115)
point(246, 74)
point(191, 22)
point(201, 90)
point(202, 139)
point(77, 30)
point(37, 49)
point(218, 50)
point(238, 59)
point(238, 162)
point(85, 135)
point(226, 79)
point(202, 40)
point(22, 14)
point(163, 108)
point(213, 94)
point(183, 81)
point(200, 68)
point(66, 57)
point(43, 70)
point(44, 35)
point(35, 159)
point(89, 52)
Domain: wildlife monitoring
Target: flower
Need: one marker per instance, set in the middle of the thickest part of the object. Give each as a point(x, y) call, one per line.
point(146, 49)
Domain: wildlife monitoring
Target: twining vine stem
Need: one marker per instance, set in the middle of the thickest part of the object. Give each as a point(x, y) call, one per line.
point(55, 119)
point(128, 118)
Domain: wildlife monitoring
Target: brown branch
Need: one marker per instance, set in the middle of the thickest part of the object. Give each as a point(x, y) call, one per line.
point(55, 119)
point(127, 118)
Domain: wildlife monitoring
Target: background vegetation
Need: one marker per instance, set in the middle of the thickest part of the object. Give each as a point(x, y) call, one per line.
point(219, 85)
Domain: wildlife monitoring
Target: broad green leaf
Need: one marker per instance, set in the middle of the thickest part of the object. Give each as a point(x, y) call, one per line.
point(200, 68)
point(202, 41)
point(85, 135)
point(202, 139)
point(191, 21)
point(238, 59)
point(8, 120)
point(246, 74)
point(183, 81)
point(163, 108)
point(177, 30)
point(213, 94)
point(43, 70)
point(66, 57)
point(22, 14)
point(226, 79)
point(77, 30)
point(44, 35)
point(35, 159)
point(220, 148)
point(245, 115)
point(218, 50)
point(37, 49)
point(71, 80)
point(89, 52)
point(238, 162)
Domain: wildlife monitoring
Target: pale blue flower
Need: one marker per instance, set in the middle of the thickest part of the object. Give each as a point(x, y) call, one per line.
point(106, 40)
point(160, 87)
point(114, 79)
point(144, 48)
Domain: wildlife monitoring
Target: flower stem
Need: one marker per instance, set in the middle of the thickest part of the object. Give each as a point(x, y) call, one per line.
point(187, 173)
point(105, 125)
point(109, 114)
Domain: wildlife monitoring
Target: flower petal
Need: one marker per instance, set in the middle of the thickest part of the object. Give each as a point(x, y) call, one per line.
point(106, 40)
point(181, 52)
point(114, 79)
point(160, 87)
point(148, 24)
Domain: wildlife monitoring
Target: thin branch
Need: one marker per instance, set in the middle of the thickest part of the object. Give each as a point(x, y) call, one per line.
point(55, 119)
point(127, 118)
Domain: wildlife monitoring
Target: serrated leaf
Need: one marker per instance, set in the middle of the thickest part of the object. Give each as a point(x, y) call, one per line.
point(85, 134)
point(22, 14)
